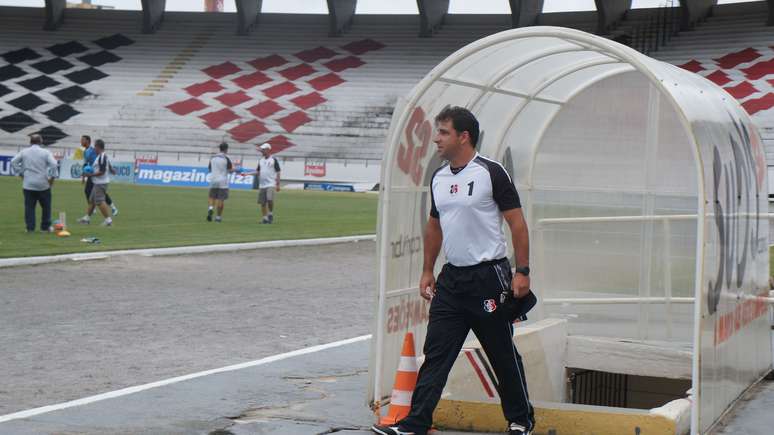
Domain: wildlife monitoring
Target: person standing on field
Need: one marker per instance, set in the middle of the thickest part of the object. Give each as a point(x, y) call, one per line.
point(37, 168)
point(268, 173)
point(220, 167)
point(89, 154)
point(100, 179)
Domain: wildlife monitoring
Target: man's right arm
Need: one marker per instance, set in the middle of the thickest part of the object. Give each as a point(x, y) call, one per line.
point(433, 240)
point(53, 169)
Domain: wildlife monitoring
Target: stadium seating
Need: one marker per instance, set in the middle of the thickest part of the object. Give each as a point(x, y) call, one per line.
point(735, 49)
point(195, 83)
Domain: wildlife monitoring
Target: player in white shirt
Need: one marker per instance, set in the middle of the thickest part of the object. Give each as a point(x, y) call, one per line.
point(268, 173)
point(100, 179)
point(471, 196)
point(220, 167)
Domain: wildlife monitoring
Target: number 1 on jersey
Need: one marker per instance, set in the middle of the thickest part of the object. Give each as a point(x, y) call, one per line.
point(470, 188)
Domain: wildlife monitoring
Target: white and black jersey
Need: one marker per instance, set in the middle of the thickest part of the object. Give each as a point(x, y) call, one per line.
point(219, 167)
point(268, 168)
point(101, 164)
point(469, 202)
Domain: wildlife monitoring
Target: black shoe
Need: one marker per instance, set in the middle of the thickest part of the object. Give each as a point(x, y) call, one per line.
point(209, 215)
point(383, 429)
point(517, 429)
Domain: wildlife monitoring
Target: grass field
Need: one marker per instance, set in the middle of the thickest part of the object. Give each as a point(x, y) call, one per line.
point(151, 216)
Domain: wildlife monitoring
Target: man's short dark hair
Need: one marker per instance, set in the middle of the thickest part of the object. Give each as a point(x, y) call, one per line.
point(223, 147)
point(87, 137)
point(99, 143)
point(462, 120)
point(36, 139)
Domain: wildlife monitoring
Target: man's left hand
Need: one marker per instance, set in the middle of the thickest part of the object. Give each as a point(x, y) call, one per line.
point(520, 285)
point(278, 188)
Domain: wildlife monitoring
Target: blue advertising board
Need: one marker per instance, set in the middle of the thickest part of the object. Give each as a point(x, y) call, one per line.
point(72, 170)
point(329, 187)
point(187, 176)
point(5, 165)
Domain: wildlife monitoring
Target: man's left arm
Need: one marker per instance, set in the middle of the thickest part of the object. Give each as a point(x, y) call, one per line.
point(508, 201)
point(520, 239)
point(53, 169)
point(277, 168)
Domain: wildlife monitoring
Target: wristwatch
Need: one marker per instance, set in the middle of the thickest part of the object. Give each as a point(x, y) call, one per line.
point(522, 270)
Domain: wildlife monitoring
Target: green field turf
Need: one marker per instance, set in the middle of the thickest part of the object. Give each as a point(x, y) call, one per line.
point(151, 216)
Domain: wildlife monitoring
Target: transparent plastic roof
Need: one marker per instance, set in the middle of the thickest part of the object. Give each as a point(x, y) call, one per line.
point(633, 174)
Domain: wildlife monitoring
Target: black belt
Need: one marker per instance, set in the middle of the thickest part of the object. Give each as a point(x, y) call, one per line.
point(476, 266)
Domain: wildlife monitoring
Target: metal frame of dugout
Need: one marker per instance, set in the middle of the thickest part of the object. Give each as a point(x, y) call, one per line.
point(645, 192)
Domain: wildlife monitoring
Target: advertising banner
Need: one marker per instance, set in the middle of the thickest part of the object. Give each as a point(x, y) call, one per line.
point(5, 165)
point(185, 176)
point(72, 170)
point(329, 187)
point(314, 167)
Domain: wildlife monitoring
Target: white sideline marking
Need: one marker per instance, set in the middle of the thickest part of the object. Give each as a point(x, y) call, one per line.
point(138, 388)
point(183, 250)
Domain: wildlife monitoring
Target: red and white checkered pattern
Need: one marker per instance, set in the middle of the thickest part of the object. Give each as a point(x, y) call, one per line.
point(251, 98)
point(748, 75)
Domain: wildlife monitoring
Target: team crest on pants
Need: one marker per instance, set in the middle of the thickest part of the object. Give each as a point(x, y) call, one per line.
point(490, 305)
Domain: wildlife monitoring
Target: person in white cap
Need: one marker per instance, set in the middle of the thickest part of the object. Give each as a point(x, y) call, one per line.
point(268, 173)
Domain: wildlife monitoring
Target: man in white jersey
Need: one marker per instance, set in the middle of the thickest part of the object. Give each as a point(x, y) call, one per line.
point(100, 180)
point(88, 154)
point(220, 167)
point(476, 289)
point(268, 173)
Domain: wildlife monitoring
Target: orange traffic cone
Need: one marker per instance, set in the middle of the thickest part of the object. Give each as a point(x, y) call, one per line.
point(405, 381)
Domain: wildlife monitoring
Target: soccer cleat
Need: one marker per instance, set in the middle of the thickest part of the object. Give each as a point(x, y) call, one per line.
point(218, 219)
point(383, 429)
point(114, 209)
point(265, 220)
point(209, 215)
point(107, 223)
point(517, 429)
point(84, 220)
point(271, 218)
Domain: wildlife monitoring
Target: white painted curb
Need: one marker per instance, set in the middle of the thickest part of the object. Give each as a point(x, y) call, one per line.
point(183, 250)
